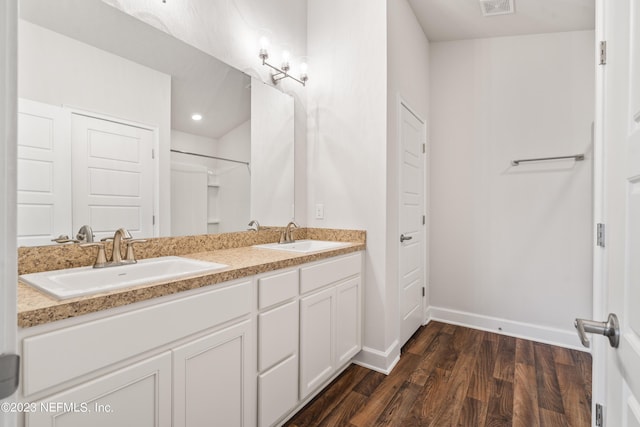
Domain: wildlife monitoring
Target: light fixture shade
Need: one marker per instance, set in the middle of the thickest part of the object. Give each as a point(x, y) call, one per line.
point(285, 60)
point(264, 45)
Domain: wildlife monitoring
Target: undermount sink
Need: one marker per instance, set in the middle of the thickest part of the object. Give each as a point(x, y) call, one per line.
point(75, 282)
point(303, 246)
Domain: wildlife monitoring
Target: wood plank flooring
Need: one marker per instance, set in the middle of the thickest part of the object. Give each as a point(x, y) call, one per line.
point(454, 376)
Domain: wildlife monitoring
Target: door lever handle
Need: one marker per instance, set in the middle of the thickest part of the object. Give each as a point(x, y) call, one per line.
point(403, 238)
point(610, 329)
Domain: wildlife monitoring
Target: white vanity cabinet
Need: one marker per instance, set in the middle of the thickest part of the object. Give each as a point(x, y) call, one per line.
point(317, 343)
point(330, 319)
point(213, 379)
point(138, 395)
point(242, 353)
point(183, 360)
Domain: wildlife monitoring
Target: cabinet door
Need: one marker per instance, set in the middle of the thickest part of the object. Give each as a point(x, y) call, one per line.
point(317, 326)
point(138, 395)
point(348, 330)
point(213, 381)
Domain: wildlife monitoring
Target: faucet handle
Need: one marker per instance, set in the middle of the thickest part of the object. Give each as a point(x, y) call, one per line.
point(85, 234)
point(101, 258)
point(130, 256)
point(63, 238)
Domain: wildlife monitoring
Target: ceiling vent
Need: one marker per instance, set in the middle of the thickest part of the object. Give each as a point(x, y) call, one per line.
point(496, 7)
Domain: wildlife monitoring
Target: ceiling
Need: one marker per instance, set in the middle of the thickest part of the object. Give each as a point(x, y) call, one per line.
point(200, 83)
point(446, 20)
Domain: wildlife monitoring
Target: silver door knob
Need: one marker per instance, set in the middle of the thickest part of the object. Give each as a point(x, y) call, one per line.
point(403, 238)
point(610, 329)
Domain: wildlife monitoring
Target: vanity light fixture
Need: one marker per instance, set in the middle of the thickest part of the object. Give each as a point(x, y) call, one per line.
point(283, 71)
point(196, 117)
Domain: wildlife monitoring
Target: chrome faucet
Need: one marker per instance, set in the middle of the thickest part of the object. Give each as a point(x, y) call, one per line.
point(120, 237)
point(287, 233)
point(254, 225)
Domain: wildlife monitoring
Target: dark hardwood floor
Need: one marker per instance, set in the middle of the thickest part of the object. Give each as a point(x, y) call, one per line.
point(454, 376)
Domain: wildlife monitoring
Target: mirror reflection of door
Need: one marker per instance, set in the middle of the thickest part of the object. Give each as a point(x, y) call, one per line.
point(44, 189)
point(112, 177)
point(108, 184)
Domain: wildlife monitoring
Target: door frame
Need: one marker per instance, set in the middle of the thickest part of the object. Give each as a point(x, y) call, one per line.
point(599, 346)
point(402, 103)
point(8, 187)
point(155, 147)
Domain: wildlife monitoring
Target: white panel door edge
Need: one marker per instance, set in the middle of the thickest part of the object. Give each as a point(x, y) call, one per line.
point(622, 208)
point(411, 226)
point(8, 131)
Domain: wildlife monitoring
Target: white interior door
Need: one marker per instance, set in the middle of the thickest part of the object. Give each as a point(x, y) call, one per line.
point(113, 176)
point(622, 207)
point(412, 244)
point(8, 130)
point(44, 175)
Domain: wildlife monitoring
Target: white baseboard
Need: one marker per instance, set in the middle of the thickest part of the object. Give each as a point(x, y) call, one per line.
point(379, 361)
point(529, 331)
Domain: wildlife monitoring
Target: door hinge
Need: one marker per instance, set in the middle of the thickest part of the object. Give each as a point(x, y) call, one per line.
point(423, 291)
point(9, 374)
point(153, 220)
point(424, 219)
point(424, 148)
point(153, 153)
point(600, 234)
point(599, 415)
point(603, 52)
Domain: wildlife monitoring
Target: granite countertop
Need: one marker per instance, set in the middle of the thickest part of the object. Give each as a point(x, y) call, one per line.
point(36, 308)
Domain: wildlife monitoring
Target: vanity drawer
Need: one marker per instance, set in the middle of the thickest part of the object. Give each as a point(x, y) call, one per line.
point(54, 357)
point(277, 392)
point(277, 288)
point(277, 335)
point(326, 273)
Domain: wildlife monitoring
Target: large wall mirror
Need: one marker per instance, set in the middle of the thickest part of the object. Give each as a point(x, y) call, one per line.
point(108, 134)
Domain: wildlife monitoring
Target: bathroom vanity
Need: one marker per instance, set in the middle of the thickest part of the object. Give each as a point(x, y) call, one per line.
point(244, 346)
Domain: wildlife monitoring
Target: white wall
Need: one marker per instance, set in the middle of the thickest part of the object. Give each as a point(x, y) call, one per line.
point(230, 31)
point(234, 194)
point(347, 147)
point(272, 155)
point(512, 243)
point(55, 69)
point(191, 143)
point(408, 78)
